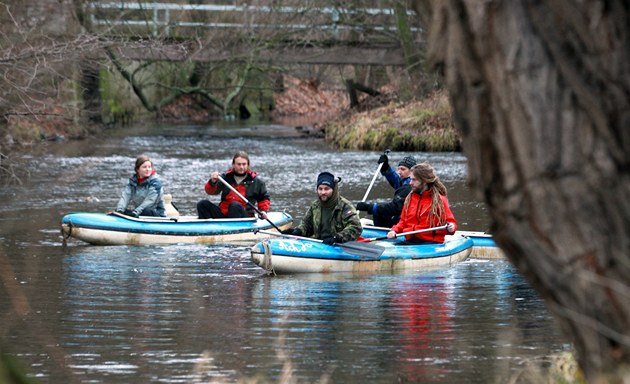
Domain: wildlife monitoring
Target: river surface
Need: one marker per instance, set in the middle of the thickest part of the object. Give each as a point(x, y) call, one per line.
point(205, 313)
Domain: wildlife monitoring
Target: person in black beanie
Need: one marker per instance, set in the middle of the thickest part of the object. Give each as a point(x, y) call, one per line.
point(331, 218)
point(388, 214)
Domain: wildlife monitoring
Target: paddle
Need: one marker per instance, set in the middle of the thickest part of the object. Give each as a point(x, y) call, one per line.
point(378, 170)
point(353, 247)
point(407, 233)
point(248, 202)
point(142, 218)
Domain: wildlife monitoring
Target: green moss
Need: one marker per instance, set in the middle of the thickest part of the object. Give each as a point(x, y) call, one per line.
point(112, 102)
point(24, 132)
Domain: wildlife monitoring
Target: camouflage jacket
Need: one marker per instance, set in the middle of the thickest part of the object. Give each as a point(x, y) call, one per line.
point(343, 222)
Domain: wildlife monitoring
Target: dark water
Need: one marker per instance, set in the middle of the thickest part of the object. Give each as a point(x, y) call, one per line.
point(200, 313)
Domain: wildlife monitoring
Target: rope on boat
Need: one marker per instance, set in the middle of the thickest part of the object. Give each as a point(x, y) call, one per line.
point(266, 262)
point(64, 237)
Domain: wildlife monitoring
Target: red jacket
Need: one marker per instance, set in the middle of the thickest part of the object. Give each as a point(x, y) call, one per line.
point(251, 187)
point(415, 216)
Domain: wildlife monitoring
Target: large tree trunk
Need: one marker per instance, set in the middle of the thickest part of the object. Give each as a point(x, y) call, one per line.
point(541, 93)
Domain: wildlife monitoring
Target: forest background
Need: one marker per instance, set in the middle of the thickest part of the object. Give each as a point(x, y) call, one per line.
point(68, 72)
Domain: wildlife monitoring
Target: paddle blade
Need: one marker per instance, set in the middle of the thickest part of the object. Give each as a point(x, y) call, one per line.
point(365, 250)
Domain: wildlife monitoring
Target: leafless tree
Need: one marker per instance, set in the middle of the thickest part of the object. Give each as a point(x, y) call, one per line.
point(34, 65)
point(51, 63)
point(240, 47)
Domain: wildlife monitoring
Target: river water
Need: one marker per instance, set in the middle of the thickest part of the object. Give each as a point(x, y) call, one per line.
point(205, 313)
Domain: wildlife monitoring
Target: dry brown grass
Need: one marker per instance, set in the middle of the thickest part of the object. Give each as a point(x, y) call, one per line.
point(424, 125)
point(559, 368)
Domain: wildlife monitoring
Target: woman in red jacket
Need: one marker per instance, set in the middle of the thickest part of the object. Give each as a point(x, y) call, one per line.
point(425, 207)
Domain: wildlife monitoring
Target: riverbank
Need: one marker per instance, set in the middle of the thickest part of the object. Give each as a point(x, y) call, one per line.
point(420, 126)
point(377, 123)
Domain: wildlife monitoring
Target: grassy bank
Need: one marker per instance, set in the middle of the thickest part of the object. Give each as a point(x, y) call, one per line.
point(424, 125)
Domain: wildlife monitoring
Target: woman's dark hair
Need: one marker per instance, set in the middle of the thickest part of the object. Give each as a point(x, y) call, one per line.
point(141, 160)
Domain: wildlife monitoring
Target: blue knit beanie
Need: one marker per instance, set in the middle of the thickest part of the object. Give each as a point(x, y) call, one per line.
point(326, 178)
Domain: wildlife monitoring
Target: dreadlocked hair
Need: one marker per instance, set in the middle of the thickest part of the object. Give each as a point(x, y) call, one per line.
point(425, 173)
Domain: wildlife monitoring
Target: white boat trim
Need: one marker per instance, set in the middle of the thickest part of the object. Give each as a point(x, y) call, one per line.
point(286, 264)
point(104, 237)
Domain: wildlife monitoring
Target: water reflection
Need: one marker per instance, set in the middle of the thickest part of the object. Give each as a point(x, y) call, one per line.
point(197, 313)
point(129, 308)
point(423, 306)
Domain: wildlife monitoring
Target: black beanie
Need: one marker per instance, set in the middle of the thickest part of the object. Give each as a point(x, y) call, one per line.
point(326, 178)
point(407, 161)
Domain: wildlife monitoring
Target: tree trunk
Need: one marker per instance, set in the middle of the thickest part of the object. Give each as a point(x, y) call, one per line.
point(352, 87)
point(90, 82)
point(541, 94)
point(413, 57)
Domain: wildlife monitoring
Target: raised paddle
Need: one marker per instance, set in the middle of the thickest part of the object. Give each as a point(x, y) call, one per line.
point(378, 169)
point(248, 202)
point(352, 247)
point(406, 233)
